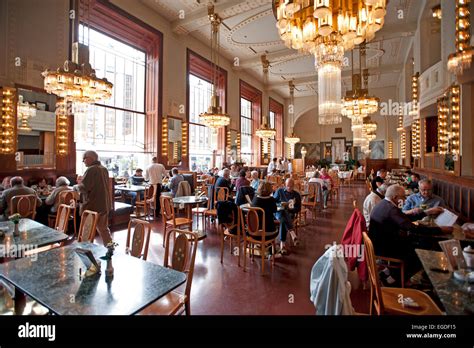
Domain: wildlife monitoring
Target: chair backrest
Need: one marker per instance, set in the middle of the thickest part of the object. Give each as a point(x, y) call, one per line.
point(140, 239)
point(375, 287)
point(149, 192)
point(88, 226)
point(184, 189)
point(183, 255)
point(62, 218)
point(69, 197)
point(252, 226)
point(25, 205)
point(167, 208)
point(221, 194)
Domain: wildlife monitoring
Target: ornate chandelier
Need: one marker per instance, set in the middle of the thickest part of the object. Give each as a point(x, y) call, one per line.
point(356, 127)
point(327, 28)
point(265, 132)
point(77, 82)
point(292, 139)
point(214, 118)
point(462, 58)
point(370, 129)
point(25, 110)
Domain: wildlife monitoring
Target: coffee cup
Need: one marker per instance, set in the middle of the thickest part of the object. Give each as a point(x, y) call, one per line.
point(468, 253)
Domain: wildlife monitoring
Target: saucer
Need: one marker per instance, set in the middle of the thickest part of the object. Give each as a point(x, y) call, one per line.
point(464, 275)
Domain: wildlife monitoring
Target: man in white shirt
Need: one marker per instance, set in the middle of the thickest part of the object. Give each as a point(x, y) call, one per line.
point(155, 173)
point(272, 165)
point(371, 201)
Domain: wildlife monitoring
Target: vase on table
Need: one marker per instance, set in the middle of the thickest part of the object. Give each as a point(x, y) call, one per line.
point(16, 231)
point(109, 271)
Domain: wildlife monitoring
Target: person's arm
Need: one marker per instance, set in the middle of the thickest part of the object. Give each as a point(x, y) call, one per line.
point(146, 175)
point(51, 198)
point(404, 223)
point(297, 203)
point(87, 181)
point(276, 195)
point(410, 208)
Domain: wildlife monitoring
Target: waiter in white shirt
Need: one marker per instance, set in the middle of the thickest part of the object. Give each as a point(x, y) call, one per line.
point(155, 173)
point(272, 165)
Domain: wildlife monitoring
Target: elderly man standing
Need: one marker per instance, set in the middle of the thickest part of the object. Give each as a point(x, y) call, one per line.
point(17, 189)
point(95, 192)
point(291, 201)
point(155, 174)
point(424, 202)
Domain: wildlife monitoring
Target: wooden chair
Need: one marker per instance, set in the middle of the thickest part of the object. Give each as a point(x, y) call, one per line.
point(225, 233)
point(336, 184)
point(254, 235)
point(181, 259)
point(220, 194)
point(169, 217)
point(70, 198)
point(88, 226)
point(311, 201)
point(386, 300)
point(202, 210)
point(148, 202)
point(62, 218)
point(25, 205)
point(140, 239)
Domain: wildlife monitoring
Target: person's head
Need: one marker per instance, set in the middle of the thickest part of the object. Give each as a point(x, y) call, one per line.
point(43, 183)
point(415, 177)
point(138, 172)
point(233, 167)
point(323, 171)
point(382, 189)
point(242, 173)
point(226, 173)
point(154, 159)
point(16, 181)
point(382, 173)
point(264, 189)
point(174, 171)
point(254, 175)
point(6, 182)
point(395, 193)
point(316, 175)
point(62, 181)
point(280, 160)
point(274, 159)
point(426, 188)
point(90, 157)
point(289, 184)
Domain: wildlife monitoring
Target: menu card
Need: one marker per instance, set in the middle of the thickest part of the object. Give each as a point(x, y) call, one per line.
point(88, 259)
point(453, 251)
point(446, 218)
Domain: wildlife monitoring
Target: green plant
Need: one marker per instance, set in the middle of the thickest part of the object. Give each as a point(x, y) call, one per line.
point(15, 218)
point(350, 164)
point(110, 251)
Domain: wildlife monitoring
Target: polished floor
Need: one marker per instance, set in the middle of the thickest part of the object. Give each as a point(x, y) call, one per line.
point(225, 289)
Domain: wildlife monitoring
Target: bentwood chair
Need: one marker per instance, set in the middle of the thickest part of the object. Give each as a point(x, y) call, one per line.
point(148, 202)
point(226, 233)
point(387, 300)
point(88, 226)
point(25, 205)
point(169, 217)
point(254, 235)
point(220, 194)
point(70, 198)
point(62, 218)
point(311, 201)
point(140, 240)
point(180, 257)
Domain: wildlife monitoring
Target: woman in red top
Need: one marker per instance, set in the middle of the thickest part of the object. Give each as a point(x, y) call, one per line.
point(242, 180)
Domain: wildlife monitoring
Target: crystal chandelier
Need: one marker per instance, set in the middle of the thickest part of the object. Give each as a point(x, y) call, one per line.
point(77, 83)
point(292, 139)
point(357, 102)
point(462, 58)
point(356, 127)
point(25, 110)
point(265, 132)
point(370, 129)
point(214, 118)
point(327, 28)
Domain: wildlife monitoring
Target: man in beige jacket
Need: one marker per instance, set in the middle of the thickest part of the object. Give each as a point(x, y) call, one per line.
point(95, 192)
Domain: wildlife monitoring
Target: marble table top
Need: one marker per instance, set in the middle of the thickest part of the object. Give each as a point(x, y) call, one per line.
point(132, 188)
point(246, 207)
point(32, 235)
point(456, 296)
point(189, 200)
point(54, 281)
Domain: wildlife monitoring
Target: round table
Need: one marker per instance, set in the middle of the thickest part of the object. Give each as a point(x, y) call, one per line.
point(188, 201)
point(247, 206)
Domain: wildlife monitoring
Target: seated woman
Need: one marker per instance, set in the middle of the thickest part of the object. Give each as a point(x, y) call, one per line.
point(264, 199)
point(62, 184)
point(242, 180)
point(42, 188)
point(255, 180)
point(5, 183)
point(325, 186)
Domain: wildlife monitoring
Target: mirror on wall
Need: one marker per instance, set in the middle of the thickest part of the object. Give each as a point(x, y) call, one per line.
point(36, 129)
point(175, 140)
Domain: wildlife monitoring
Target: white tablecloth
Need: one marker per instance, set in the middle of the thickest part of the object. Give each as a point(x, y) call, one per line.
point(344, 175)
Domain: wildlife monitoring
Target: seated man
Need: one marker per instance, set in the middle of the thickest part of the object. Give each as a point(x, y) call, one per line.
point(138, 178)
point(392, 232)
point(291, 201)
point(379, 179)
point(414, 182)
point(325, 186)
point(242, 180)
point(423, 203)
point(62, 184)
point(174, 181)
point(224, 180)
point(234, 171)
point(371, 201)
point(17, 189)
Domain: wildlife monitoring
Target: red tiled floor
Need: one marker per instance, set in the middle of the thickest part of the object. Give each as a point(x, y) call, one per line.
point(225, 289)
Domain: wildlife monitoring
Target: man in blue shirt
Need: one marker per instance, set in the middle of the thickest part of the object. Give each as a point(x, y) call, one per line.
point(174, 181)
point(291, 201)
point(433, 204)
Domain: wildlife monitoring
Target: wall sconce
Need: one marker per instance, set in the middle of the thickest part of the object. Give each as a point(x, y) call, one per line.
point(390, 149)
point(436, 12)
point(455, 118)
point(8, 121)
point(184, 142)
point(239, 149)
point(442, 105)
point(164, 137)
point(227, 142)
point(416, 125)
point(62, 127)
point(403, 144)
point(462, 58)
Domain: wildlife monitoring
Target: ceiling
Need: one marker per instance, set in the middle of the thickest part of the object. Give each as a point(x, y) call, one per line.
point(248, 31)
